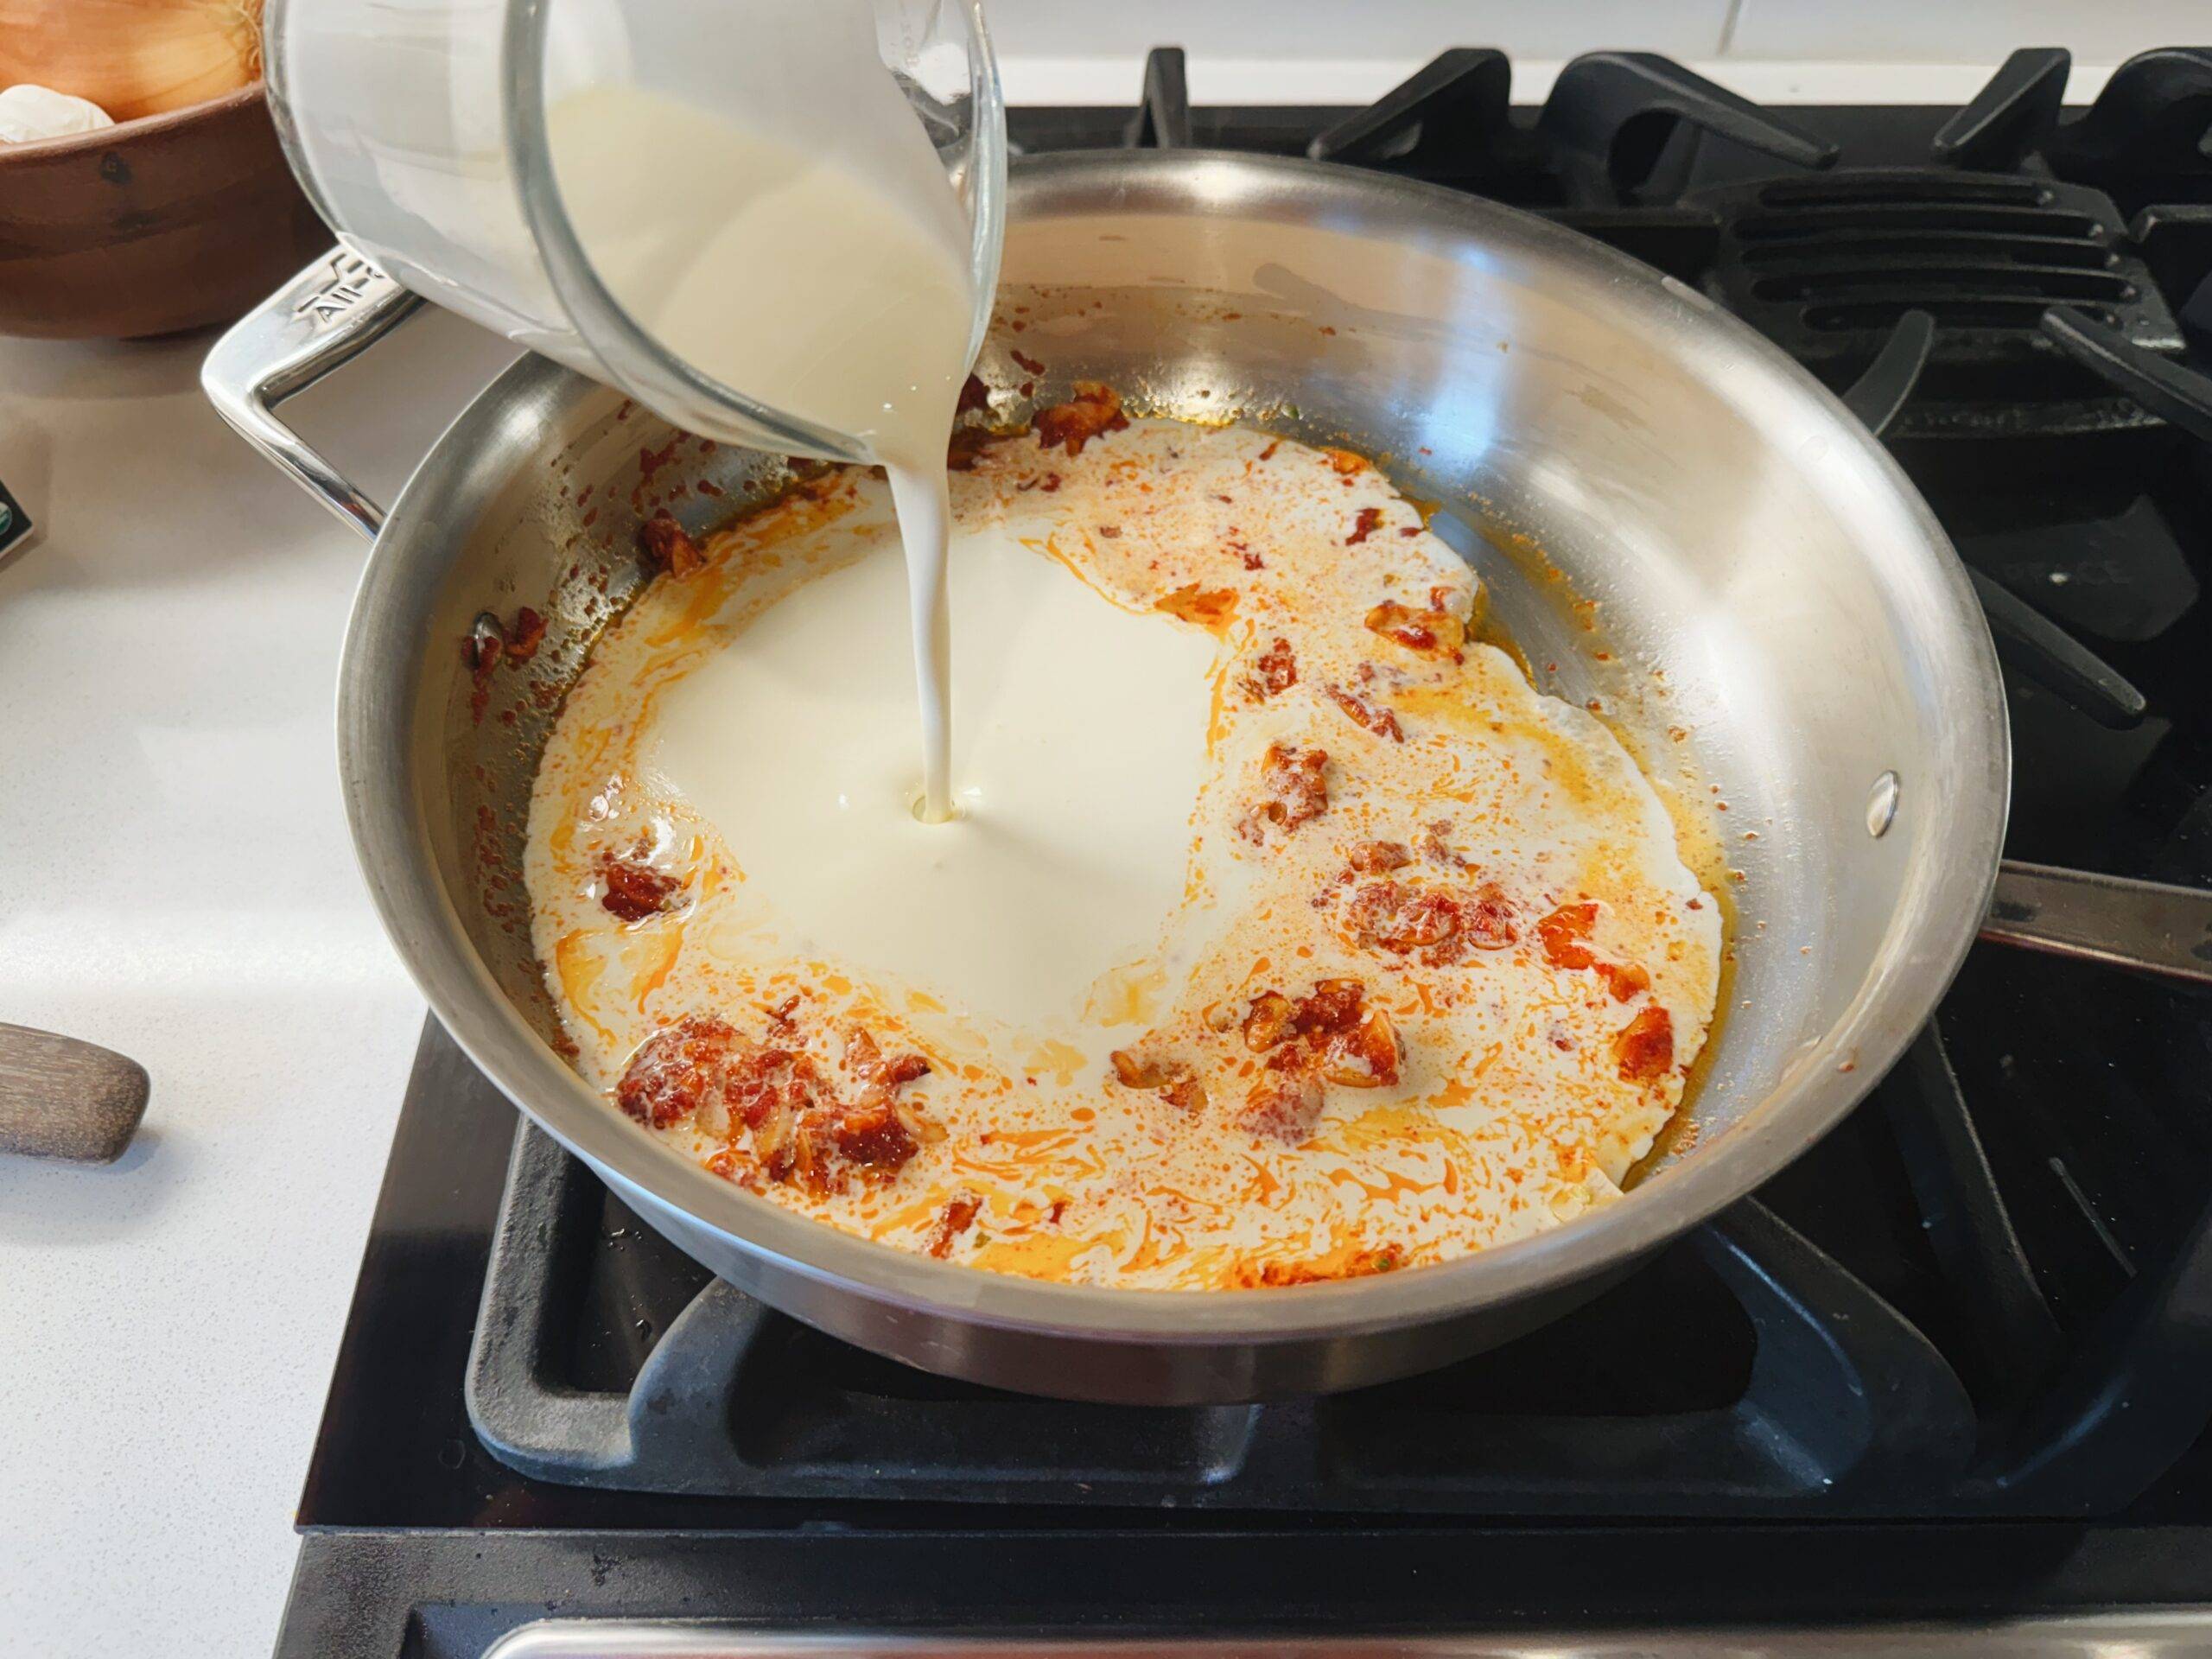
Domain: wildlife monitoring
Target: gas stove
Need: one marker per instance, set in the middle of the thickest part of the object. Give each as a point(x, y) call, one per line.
point(1942, 1386)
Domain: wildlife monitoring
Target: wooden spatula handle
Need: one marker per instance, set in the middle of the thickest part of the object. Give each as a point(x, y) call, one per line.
point(63, 1098)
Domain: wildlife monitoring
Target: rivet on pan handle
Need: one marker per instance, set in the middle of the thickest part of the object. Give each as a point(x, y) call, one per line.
point(336, 308)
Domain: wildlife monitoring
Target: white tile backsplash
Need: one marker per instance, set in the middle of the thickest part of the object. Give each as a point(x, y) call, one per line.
point(1370, 31)
point(1963, 31)
point(1779, 51)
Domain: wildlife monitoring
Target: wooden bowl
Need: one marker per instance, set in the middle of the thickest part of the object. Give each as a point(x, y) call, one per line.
point(168, 222)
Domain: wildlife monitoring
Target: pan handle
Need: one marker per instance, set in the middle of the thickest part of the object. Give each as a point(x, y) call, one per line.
point(335, 308)
point(2150, 925)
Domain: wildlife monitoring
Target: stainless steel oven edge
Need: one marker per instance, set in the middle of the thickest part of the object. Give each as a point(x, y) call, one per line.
point(2166, 1633)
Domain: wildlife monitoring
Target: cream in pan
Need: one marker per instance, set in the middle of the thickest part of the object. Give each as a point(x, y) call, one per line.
point(1286, 931)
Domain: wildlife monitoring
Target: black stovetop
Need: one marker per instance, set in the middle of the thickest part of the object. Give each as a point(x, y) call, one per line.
point(2017, 1223)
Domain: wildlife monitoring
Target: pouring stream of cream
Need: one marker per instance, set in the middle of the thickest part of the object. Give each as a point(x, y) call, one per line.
point(834, 294)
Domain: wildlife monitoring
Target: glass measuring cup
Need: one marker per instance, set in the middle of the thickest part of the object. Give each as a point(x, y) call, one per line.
point(418, 129)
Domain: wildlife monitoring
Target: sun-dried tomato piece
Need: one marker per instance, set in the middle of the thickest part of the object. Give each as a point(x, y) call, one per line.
point(1432, 633)
point(1172, 1079)
point(873, 1135)
point(1366, 715)
point(773, 1082)
point(1379, 857)
point(1486, 918)
point(1564, 935)
point(1094, 409)
point(1646, 1048)
point(1276, 1276)
point(1285, 1101)
point(1355, 1045)
point(527, 634)
point(1624, 979)
point(901, 1069)
point(1185, 1094)
point(778, 1146)
point(863, 1055)
point(1295, 790)
point(1400, 917)
point(678, 1069)
point(973, 395)
point(1333, 1005)
point(1327, 1035)
point(1028, 363)
point(634, 891)
point(1209, 608)
point(783, 1116)
point(1436, 845)
point(1369, 520)
point(669, 545)
point(1270, 1021)
point(1274, 670)
point(864, 1059)
point(1363, 1057)
point(1441, 926)
point(1135, 1071)
point(958, 1217)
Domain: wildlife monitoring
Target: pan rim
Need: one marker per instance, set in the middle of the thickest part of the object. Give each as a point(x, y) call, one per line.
point(1949, 884)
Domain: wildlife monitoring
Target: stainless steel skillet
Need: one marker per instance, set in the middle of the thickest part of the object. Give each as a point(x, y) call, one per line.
point(1779, 625)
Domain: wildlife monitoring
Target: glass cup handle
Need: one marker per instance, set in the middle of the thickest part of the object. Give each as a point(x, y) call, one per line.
point(336, 308)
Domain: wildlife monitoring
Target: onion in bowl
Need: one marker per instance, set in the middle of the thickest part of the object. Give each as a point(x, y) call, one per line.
point(132, 57)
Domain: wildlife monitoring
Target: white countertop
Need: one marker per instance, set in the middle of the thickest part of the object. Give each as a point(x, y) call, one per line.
point(178, 885)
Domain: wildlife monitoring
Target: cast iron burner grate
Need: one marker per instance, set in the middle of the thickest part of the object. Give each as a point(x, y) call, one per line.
point(1827, 267)
point(2147, 137)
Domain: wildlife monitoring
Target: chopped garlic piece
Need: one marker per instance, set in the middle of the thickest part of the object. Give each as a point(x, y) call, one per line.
point(27, 112)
